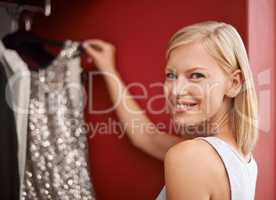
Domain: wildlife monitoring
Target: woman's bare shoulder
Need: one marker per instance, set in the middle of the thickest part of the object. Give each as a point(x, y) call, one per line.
point(196, 162)
point(194, 151)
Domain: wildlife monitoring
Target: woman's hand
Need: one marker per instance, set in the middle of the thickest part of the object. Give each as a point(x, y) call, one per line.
point(102, 53)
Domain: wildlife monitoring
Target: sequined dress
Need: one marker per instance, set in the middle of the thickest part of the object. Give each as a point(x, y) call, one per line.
point(56, 165)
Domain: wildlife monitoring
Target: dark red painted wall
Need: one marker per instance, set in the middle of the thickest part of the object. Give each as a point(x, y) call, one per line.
point(262, 54)
point(140, 30)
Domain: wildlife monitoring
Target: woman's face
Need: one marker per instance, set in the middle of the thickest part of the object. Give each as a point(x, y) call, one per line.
point(195, 85)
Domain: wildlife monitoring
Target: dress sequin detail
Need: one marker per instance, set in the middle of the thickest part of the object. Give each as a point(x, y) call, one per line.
point(56, 165)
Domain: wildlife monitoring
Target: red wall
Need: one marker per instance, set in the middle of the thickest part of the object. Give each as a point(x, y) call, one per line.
point(140, 30)
point(262, 54)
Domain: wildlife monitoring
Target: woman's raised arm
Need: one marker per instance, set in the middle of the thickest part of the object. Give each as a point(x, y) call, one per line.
point(140, 130)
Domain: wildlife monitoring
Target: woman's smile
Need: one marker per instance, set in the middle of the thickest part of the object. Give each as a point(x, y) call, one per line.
point(184, 106)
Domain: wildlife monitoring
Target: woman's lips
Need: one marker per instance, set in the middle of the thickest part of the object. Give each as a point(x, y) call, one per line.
point(184, 106)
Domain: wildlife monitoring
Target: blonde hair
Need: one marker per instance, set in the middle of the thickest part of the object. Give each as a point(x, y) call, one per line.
point(224, 44)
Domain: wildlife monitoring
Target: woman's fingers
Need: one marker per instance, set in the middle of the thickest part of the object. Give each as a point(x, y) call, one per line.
point(101, 52)
point(96, 47)
point(90, 50)
point(98, 44)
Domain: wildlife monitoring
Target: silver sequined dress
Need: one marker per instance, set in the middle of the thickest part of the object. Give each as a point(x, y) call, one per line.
point(56, 165)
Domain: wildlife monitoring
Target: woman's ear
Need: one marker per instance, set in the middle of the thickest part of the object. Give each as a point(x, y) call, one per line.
point(235, 83)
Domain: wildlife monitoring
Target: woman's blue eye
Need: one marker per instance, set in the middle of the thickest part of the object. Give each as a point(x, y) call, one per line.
point(171, 76)
point(197, 75)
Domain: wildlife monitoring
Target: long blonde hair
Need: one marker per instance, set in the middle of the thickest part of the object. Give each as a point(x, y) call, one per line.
point(224, 44)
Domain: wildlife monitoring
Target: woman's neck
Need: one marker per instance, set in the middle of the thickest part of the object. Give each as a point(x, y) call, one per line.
point(222, 125)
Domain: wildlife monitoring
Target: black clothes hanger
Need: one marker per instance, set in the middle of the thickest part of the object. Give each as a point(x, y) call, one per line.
point(25, 42)
point(31, 46)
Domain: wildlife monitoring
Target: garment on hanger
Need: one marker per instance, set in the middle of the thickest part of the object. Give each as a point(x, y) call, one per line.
point(56, 165)
point(9, 177)
point(17, 98)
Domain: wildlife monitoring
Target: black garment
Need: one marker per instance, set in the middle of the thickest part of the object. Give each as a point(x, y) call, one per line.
point(9, 176)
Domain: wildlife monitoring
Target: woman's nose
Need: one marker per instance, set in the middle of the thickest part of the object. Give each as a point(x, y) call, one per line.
point(180, 87)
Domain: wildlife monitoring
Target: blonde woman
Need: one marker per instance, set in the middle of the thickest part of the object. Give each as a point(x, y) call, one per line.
point(210, 91)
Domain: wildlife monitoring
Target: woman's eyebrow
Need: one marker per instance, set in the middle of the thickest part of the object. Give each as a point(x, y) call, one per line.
point(196, 68)
point(187, 70)
point(170, 69)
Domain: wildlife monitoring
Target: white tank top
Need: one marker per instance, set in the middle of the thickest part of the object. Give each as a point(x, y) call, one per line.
point(242, 174)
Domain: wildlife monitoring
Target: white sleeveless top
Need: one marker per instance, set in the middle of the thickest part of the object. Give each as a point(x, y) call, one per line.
point(242, 174)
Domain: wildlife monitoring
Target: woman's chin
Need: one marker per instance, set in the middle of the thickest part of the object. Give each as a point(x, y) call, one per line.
point(190, 127)
point(185, 121)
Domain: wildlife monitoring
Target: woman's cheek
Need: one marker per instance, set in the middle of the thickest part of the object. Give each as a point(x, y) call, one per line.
point(213, 99)
point(197, 92)
point(167, 94)
point(202, 94)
